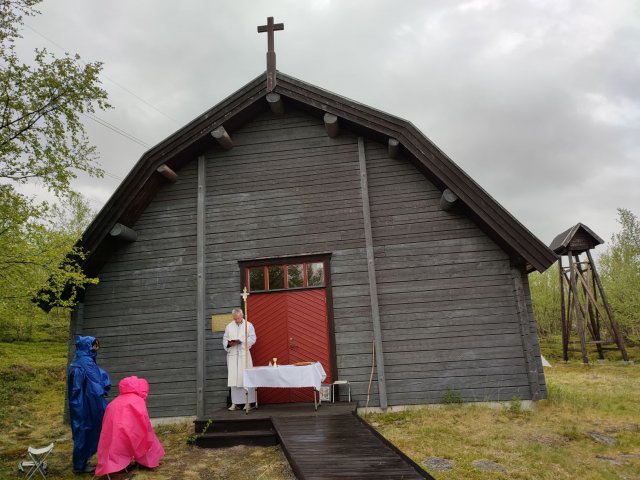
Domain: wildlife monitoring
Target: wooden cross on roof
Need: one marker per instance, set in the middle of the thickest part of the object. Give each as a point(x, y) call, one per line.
point(271, 27)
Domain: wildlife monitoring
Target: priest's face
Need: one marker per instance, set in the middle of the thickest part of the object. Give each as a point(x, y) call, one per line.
point(237, 317)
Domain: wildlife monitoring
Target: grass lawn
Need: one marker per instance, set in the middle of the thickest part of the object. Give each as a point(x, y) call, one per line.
point(550, 442)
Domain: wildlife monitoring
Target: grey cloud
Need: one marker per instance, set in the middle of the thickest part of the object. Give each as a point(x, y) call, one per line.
point(509, 90)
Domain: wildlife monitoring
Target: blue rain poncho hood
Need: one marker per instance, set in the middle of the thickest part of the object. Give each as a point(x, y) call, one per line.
point(87, 387)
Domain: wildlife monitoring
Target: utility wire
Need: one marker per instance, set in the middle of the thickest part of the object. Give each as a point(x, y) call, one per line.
point(111, 175)
point(102, 74)
point(140, 99)
point(97, 119)
point(116, 129)
point(104, 123)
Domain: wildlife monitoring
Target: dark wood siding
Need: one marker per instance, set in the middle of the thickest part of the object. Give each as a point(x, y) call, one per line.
point(534, 336)
point(446, 295)
point(143, 309)
point(581, 241)
point(284, 189)
point(447, 305)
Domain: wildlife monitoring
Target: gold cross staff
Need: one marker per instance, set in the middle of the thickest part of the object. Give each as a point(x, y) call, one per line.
point(244, 296)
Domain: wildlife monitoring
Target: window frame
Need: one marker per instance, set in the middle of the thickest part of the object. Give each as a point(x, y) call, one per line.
point(247, 266)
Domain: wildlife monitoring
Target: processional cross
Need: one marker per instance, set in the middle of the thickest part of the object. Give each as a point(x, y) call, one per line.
point(271, 27)
point(244, 296)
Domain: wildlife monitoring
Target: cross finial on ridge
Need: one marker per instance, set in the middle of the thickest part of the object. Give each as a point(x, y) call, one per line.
point(271, 27)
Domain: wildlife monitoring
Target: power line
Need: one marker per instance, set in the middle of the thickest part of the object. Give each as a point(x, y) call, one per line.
point(141, 99)
point(116, 129)
point(102, 74)
point(104, 123)
point(111, 175)
point(96, 119)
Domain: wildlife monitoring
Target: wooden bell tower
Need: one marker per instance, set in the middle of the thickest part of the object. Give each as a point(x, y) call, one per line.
point(583, 301)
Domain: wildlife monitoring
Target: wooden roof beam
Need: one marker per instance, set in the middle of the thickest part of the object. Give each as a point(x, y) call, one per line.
point(124, 233)
point(167, 173)
point(448, 200)
point(331, 125)
point(393, 147)
point(222, 137)
point(275, 103)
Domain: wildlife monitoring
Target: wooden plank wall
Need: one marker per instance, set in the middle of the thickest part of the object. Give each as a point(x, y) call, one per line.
point(534, 336)
point(285, 188)
point(143, 310)
point(447, 310)
point(446, 299)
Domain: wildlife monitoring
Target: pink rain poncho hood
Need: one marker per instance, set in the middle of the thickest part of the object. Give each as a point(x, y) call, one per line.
point(127, 433)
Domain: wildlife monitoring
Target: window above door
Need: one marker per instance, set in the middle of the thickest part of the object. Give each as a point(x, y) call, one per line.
point(279, 276)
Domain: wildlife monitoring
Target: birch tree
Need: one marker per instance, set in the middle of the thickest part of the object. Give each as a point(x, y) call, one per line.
point(42, 137)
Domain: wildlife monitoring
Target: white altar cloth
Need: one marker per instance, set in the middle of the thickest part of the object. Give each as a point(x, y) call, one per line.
point(285, 376)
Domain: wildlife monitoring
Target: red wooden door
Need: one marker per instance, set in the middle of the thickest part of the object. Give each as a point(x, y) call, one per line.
point(291, 326)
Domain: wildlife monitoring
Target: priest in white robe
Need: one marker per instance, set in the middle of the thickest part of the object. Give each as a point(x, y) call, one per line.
point(234, 343)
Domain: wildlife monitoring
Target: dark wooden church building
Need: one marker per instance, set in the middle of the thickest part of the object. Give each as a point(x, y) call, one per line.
point(362, 245)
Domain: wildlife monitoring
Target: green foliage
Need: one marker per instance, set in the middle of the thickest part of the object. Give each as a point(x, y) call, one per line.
point(551, 347)
point(41, 137)
point(27, 371)
point(191, 439)
point(34, 242)
point(515, 406)
point(580, 387)
point(619, 268)
point(545, 298)
point(451, 397)
point(620, 271)
point(11, 12)
point(395, 418)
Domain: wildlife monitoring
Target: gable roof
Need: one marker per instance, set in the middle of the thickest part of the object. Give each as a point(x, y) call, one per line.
point(138, 188)
point(561, 243)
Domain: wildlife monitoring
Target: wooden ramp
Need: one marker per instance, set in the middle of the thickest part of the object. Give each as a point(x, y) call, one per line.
point(332, 443)
point(341, 446)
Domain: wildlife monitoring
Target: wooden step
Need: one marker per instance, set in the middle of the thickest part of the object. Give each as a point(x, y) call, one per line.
point(239, 424)
point(257, 438)
point(227, 429)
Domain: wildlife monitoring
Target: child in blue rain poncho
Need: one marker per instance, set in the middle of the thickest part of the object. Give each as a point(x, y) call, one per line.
point(87, 387)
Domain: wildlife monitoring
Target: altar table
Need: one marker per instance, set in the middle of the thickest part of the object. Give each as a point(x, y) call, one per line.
point(287, 376)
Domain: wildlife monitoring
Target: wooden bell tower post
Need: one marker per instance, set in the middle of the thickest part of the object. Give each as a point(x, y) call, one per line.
point(583, 302)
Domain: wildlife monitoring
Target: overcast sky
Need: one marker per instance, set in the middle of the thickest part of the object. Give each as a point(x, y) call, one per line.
point(539, 101)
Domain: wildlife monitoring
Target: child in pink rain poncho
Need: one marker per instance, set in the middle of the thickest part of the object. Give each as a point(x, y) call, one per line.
point(127, 433)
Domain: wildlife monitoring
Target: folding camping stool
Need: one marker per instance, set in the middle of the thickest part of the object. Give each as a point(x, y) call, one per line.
point(37, 461)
